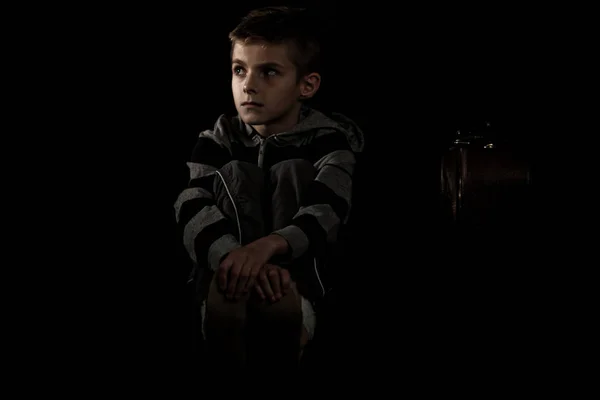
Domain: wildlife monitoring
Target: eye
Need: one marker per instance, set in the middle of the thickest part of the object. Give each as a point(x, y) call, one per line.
point(271, 72)
point(237, 70)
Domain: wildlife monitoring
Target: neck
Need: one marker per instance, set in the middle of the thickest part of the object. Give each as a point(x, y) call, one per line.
point(283, 124)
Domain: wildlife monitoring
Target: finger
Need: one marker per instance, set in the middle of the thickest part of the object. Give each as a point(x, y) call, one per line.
point(252, 282)
point(286, 280)
point(240, 288)
point(260, 292)
point(275, 282)
point(234, 274)
point(265, 285)
point(253, 277)
point(223, 272)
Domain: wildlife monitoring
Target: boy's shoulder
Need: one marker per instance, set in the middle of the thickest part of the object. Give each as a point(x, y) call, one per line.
point(324, 122)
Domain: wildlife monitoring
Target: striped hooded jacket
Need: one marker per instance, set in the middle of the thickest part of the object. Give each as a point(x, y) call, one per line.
point(330, 143)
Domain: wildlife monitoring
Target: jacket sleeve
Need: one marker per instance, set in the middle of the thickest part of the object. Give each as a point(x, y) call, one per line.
point(207, 234)
point(327, 202)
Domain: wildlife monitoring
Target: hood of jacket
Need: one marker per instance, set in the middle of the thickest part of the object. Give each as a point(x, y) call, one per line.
point(310, 121)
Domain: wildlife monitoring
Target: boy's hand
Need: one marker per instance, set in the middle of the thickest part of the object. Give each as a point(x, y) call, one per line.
point(273, 282)
point(238, 271)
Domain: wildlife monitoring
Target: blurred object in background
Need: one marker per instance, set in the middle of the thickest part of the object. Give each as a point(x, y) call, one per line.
point(486, 179)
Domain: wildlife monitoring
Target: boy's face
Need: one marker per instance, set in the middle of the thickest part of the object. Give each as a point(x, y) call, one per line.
point(265, 86)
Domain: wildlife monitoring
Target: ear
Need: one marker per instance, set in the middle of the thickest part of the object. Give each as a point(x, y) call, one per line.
point(309, 85)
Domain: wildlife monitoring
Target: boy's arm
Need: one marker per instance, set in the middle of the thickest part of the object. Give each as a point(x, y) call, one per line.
point(206, 232)
point(326, 205)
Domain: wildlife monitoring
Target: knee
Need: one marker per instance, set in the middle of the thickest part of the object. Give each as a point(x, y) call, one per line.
point(231, 314)
point(284, 313)
point(221, 311)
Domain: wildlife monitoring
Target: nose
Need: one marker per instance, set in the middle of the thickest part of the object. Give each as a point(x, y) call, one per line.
point(250, 85)
point(249, 89)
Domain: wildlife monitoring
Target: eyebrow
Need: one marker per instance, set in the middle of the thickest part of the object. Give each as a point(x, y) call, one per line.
point(269, 64)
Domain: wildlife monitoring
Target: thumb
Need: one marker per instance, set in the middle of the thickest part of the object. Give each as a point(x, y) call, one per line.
point(226, 261)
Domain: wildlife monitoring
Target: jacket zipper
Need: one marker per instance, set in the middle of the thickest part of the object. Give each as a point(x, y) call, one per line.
point(266, 201)
point(267, 216)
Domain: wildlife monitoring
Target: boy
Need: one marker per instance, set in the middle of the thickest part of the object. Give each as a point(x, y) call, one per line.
point(269, 190)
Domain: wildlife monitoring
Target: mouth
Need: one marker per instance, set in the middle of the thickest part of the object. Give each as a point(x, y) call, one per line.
point(251, 104)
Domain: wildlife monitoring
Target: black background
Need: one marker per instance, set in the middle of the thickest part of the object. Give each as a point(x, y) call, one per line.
point(137, 86)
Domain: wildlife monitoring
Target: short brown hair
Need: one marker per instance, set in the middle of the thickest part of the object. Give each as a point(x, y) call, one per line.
point(296, 26)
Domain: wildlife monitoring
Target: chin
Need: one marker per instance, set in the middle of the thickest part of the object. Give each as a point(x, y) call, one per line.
point(252, 119)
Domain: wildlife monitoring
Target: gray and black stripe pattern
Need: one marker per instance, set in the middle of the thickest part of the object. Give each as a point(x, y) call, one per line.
point(327, 142)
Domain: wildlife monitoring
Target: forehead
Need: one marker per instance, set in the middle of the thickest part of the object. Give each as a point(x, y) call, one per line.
point(260, 52)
